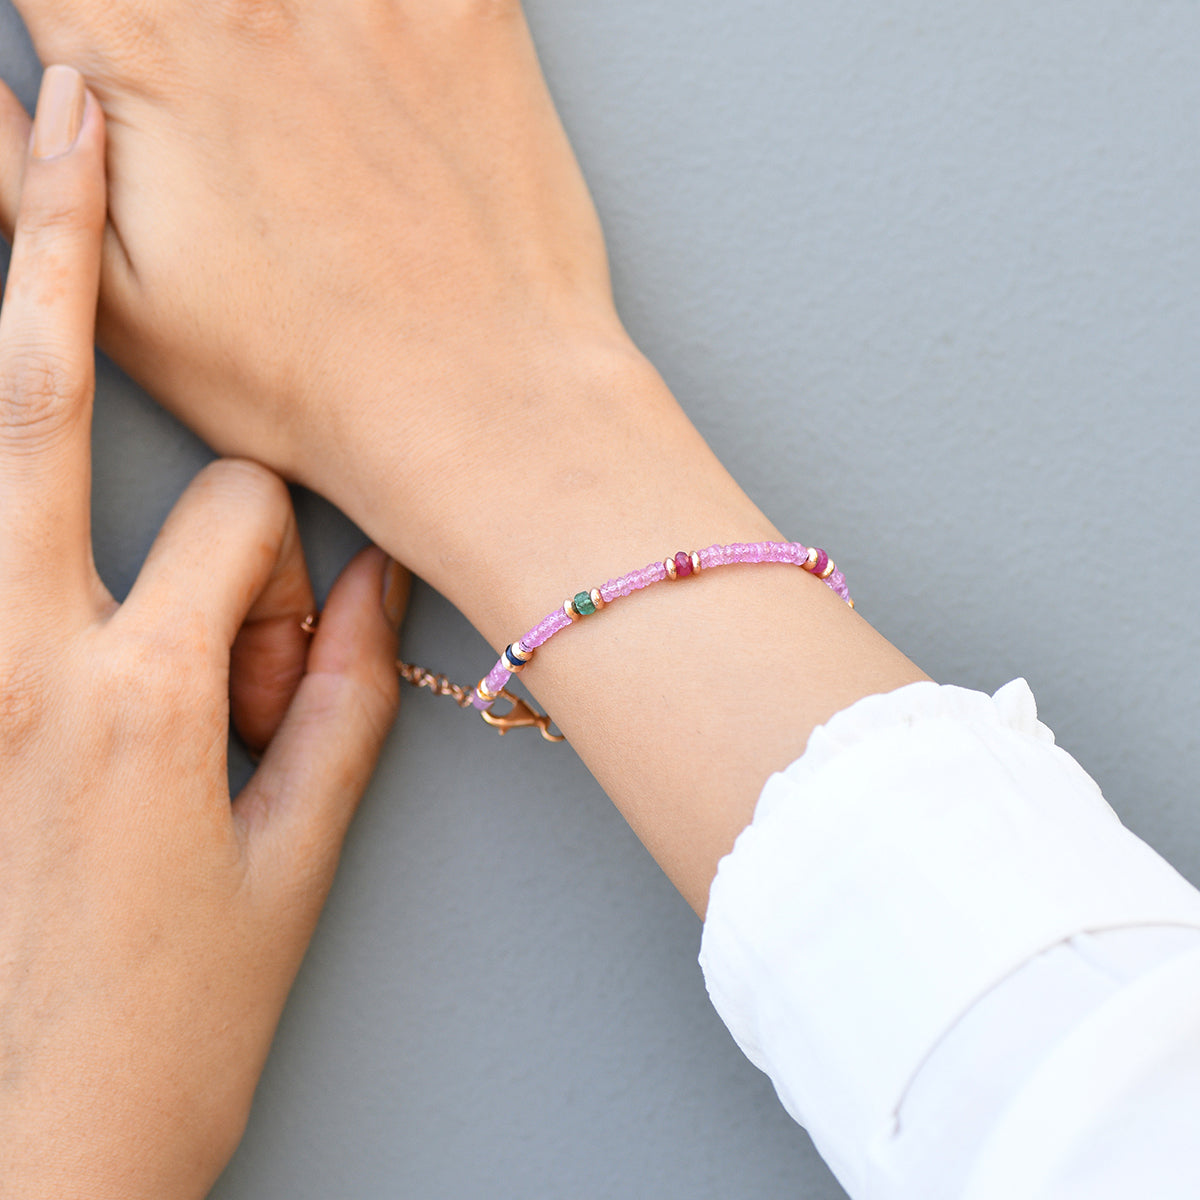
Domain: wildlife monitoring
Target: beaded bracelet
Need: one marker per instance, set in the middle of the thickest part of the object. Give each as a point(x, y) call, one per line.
point(517, 655)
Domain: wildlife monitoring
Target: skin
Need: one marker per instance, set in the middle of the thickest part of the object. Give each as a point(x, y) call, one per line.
point(151, 926)
point(401, 299)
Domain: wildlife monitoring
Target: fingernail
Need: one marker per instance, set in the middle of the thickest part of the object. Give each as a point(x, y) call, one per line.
point(59, 112)
point(396, 584)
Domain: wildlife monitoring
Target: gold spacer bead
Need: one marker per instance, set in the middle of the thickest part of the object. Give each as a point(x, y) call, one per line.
point(597, 599)
point(695, 557)
point(669, 567)
point(830, 567)
point(482, 688)
point(850, 602)
point(515, 660)
point(519, 652)
point(811, 560)
point(569, 609)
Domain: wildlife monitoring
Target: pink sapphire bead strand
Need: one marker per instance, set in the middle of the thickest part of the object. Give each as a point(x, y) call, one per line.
point(678, 566)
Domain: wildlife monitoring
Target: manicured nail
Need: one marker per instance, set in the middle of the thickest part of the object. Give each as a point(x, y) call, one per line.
point(396, 584)
point(59, 112)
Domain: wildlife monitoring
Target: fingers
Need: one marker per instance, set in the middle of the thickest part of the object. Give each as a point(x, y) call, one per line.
point(297, 808)
point(14, 142)
point(269, 654)
point(46, 366)
point(229, 554)
point(265, 669)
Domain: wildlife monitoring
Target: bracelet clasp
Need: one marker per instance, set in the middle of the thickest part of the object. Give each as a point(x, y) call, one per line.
point(519, 716)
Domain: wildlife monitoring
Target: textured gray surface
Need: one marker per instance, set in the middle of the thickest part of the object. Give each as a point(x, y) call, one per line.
point(926, 277)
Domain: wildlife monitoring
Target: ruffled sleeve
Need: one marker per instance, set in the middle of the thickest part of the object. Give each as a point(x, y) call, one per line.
point(927, 846)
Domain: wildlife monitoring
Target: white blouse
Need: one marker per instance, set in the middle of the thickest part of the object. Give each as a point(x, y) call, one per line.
point(962, 973)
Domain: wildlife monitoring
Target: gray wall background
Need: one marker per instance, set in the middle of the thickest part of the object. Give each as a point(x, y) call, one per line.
point(926, 277)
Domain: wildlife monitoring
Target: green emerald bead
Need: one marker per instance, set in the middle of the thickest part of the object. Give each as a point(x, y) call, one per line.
point(583, 604)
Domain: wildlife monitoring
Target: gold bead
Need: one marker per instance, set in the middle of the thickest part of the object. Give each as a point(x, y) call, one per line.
point(597, 599)
point(811, 560)
point(516, 660)
point(850, 602)
point(569, 609)
point(669, 567)
point(830, 567)
point(695, 557)
point(482, 689)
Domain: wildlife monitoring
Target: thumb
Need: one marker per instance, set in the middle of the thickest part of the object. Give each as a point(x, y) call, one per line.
point(296, 809)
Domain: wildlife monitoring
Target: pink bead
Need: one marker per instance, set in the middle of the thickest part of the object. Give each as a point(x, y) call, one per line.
point(710, 556)
point(545, 629)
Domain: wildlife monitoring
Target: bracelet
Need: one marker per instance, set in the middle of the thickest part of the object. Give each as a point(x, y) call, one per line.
point(518, 655)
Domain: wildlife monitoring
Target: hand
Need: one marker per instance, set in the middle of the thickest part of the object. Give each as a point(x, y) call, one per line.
point(149, 927)
point(349, 239)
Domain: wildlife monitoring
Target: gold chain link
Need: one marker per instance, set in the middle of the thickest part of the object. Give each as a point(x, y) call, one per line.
point(439, 685)
point(519, 716)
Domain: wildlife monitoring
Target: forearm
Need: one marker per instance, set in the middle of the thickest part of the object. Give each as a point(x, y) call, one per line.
point(682, 699)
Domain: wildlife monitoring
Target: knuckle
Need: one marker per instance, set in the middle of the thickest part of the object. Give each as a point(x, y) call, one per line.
point(63, 215)
point(366, 700)
point(385, 684)
point(41, 393)
point(152, 679)
point(375, 700)
point(249, 494)
point(135, 669)
point(243, 479)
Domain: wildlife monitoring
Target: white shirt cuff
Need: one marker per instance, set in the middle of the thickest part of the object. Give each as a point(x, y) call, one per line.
point(928, 844)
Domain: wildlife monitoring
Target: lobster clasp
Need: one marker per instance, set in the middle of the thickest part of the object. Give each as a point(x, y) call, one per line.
point(519, 716)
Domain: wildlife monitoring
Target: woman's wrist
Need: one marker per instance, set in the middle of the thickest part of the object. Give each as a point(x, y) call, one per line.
point(602, 471)
point(682, 700)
